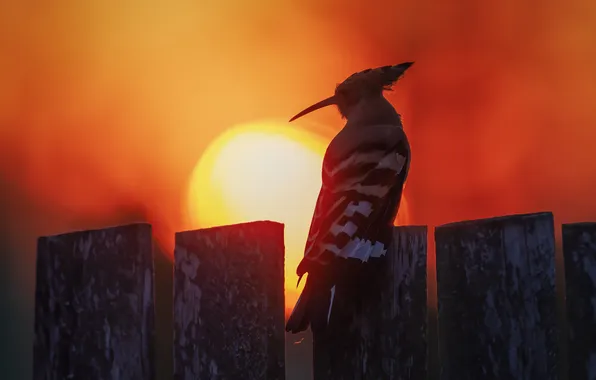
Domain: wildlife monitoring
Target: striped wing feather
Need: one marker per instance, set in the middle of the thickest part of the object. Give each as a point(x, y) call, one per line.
point(353, 217)
point(357, 203)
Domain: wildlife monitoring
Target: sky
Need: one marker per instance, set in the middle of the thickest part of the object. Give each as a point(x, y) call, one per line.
point(106, 106)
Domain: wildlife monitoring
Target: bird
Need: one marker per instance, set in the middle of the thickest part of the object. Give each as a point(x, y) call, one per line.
point(364, 170)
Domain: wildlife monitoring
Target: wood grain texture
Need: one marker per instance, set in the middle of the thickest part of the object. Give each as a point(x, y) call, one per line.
point(579, 252)
point(496, 294)
point(385, 337)
point(94, 316)
point(229, 303)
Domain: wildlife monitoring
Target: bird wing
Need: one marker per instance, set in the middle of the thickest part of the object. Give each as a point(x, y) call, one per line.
point(358, 200)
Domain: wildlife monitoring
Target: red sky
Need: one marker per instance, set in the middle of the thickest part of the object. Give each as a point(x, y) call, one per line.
point(105, 106)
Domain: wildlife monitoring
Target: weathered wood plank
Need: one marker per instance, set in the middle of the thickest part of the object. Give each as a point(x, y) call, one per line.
point(229, 303)
point(579, 251)
point(496, 295)
point(94, 312)
point(386, 337)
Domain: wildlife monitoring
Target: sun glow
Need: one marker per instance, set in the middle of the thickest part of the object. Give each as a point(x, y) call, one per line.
point(261, 171)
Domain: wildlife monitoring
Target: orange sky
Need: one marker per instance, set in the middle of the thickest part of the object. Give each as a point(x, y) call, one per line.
point(105, 106)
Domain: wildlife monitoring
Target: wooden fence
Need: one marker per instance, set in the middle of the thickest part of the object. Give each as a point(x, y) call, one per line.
point(94, 309)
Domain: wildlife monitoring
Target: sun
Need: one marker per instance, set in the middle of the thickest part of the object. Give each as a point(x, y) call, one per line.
point(263, 171)
point(260, 171)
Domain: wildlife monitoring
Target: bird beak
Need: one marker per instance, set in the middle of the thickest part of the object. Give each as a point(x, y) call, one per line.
point(323, 103)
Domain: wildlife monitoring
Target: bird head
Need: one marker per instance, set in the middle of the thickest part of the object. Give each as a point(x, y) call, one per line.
point(359, 86)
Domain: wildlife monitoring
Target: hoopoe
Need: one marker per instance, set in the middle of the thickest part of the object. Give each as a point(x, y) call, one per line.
point(364, 170)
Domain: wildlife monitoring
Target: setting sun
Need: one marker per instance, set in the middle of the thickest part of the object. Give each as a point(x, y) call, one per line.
point(261, 171)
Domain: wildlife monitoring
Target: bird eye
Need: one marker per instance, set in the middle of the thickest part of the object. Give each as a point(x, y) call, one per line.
point(341, 92)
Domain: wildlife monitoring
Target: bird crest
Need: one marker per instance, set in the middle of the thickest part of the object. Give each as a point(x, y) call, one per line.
point(379, 79)
point(369, 81)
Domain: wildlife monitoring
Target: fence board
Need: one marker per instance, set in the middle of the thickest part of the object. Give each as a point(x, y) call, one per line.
point(94, 312)
point(387, 338)
point(496, 294)
point(579, 251)
point(229, 303)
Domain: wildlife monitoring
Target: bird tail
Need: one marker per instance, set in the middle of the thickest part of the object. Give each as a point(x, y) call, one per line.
point(297, 321)
point(312, 308)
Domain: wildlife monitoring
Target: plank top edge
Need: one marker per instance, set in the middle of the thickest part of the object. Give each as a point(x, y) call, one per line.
point(579, 224)
point(96, 230)
point(496, 219)
point(231, 226)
